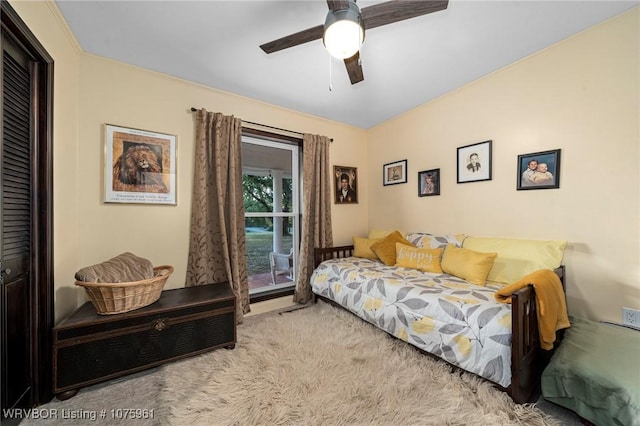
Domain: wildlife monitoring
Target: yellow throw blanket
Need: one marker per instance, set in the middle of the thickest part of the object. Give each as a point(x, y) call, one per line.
point(550, 303)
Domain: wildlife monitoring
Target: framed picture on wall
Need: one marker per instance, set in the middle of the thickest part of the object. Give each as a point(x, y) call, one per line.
point(429, 183)
point(394, 173)
point(539, 170)
point(346, 185)
point(474, 162)
point(140, 166)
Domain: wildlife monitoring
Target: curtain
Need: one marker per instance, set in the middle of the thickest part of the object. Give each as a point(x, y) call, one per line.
point(316, 210)
point(217, 245)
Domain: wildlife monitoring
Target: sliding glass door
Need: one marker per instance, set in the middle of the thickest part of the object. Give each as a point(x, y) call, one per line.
point(271, 202)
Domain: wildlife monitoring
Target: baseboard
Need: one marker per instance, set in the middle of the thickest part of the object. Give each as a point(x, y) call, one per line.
point(272, 305)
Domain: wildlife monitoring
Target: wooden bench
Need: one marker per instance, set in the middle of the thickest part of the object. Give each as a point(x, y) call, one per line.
point(89, 348)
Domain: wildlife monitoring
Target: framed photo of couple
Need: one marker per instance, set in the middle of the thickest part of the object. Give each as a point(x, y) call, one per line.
point(539, 170)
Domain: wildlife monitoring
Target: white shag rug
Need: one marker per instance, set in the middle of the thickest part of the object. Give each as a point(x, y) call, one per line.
point(324, 366)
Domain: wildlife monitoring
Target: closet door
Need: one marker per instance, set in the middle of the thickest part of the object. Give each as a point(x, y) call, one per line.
point(16, 219)
point(26, 219)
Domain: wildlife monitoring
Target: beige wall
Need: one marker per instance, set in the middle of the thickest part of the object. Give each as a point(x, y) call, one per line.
point(115, 93)
point(581, 96)
point(44, 20)
point(90, 91)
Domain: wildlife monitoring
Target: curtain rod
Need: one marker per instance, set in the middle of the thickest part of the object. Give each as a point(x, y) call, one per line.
point(265, 125)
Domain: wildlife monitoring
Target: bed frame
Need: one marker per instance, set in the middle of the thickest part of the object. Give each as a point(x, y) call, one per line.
point(528, 360)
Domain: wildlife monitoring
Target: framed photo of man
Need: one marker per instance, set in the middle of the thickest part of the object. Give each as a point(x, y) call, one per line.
point(474, 162)
point(346, 185)
point(539, 170)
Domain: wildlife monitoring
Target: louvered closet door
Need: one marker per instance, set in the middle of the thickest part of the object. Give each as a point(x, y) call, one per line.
point(15, 217)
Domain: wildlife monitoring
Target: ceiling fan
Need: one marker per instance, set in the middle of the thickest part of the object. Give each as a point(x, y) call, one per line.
point(348, 13)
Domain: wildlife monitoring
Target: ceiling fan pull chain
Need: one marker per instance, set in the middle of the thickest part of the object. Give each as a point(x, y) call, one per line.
point(330, 85)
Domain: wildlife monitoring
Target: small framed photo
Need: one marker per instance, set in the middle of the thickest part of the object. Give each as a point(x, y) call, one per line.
point(394, 173)
point(539, 170)
point(429, 183)
point(474, 162)
point(140, 166)
point(346, 185)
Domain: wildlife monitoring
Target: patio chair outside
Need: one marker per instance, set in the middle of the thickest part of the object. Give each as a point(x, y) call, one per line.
point(281, 263)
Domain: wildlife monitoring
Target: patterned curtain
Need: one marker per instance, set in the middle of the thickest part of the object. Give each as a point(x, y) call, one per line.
point(316, 210)
point(217, 246)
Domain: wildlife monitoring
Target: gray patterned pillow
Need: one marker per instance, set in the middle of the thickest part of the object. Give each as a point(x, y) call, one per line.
point(125, 267)
point(425, 240)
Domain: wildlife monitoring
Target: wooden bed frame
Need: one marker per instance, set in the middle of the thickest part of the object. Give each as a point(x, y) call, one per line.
point(528, 360)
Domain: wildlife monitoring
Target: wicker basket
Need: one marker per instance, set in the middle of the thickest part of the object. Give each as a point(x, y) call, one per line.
point(116, 298)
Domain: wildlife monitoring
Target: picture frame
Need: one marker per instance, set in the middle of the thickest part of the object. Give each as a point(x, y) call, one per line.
point(345, 185)
point(394, 173)
point(429, 183)
point(139, 166)
point(474, 162)
point(544, 175)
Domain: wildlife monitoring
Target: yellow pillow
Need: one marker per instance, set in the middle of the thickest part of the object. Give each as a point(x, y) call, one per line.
point(376, 233)
point(385, 249)
point(362, 247)
point(426, 260)
point(517, 258)
point(469, 265)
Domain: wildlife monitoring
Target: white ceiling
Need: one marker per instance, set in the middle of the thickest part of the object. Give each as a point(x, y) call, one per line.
point(406, 64)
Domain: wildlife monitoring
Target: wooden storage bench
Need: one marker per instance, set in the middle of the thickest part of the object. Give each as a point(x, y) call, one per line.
point(89, 348)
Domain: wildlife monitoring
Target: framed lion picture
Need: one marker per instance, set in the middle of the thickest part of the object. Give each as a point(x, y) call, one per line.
point(140, 166)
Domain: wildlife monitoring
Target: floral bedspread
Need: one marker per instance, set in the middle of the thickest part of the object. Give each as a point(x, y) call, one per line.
point(441, 314)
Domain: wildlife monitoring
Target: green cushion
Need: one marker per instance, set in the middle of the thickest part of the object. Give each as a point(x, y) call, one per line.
point(595, 372)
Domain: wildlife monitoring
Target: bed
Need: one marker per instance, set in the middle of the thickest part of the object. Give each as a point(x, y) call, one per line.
point(441, 314)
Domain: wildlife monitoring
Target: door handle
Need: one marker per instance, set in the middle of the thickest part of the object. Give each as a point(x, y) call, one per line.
point(3, 270)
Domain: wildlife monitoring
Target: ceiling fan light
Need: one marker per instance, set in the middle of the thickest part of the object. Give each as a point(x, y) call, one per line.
point(343, 32)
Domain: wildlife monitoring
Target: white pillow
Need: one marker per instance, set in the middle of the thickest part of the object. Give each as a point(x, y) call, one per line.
point(517, 258)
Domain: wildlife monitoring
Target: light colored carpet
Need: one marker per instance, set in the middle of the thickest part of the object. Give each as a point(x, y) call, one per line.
point(94, 405)
point(314, 366)
point(324, 366)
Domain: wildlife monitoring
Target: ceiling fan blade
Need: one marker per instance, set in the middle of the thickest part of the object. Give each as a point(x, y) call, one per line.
point(399, 10)
point(337, 4)
point(296, 39)
point(354, 68)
